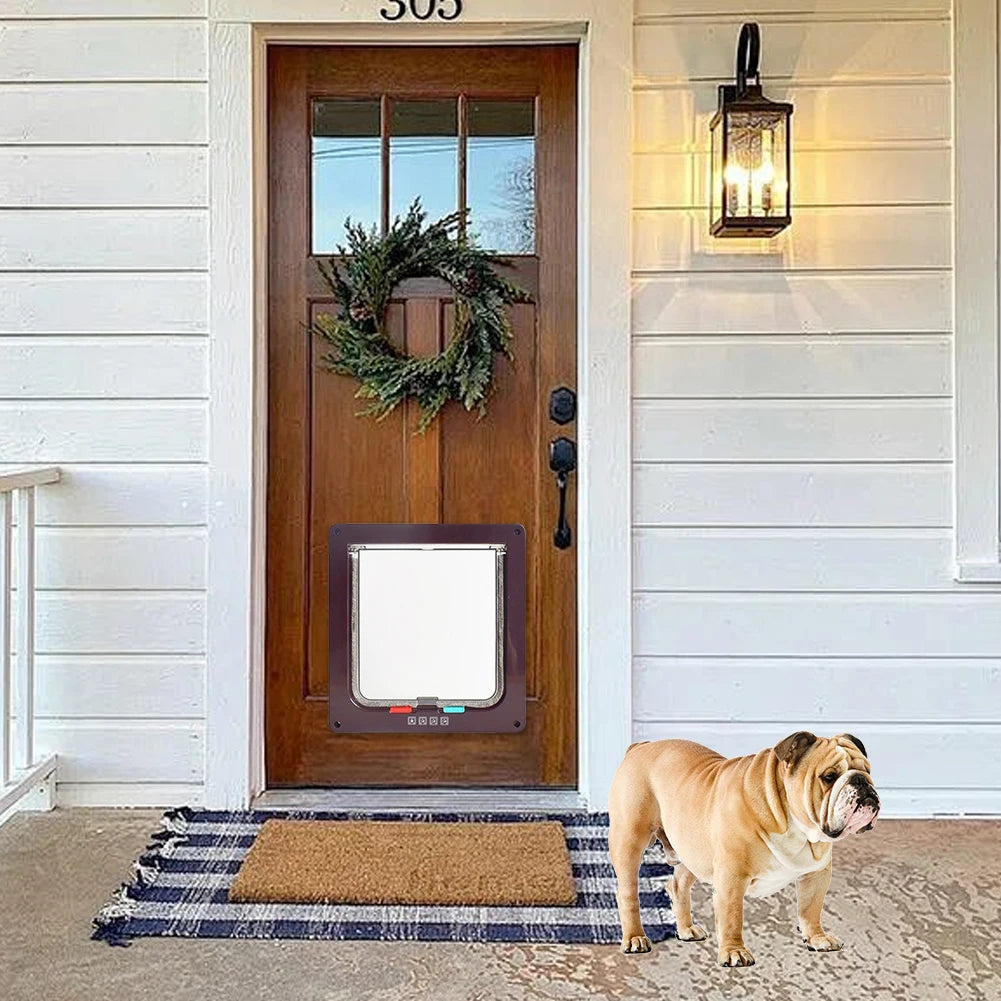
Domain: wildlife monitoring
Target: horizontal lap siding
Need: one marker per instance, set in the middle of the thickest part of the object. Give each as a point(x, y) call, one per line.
point(162, 686)
point(792, 559)
point(70, 9)
point(104, 371)
point(653, 11)
point(106, 239)
point(138, 495)
point(823, 366)
point(102, 50)
point(120, 559)
point(952, 690)
point(678, 240)
point(50, 432)
point(792, 417)
point(793, 495)
point(791, 430)
point(103, 303)
point(792, 303)
point(86, 366)
point(82, 114)
point(109, 177)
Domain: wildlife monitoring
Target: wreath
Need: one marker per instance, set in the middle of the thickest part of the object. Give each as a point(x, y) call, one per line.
point(362, 280)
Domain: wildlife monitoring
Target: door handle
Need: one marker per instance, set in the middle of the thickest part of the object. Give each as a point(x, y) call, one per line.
point(562, 461)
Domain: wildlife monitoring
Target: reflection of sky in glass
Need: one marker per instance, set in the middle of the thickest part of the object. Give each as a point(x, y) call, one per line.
point(347, 180)
point(424, 156)
point(501, 192)
point(425, 167)
point(424, 164)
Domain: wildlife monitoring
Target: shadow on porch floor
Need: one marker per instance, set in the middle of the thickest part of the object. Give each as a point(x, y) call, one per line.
point(917, 903)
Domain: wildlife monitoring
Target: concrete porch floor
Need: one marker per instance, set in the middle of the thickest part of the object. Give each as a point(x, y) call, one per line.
point(918, 905)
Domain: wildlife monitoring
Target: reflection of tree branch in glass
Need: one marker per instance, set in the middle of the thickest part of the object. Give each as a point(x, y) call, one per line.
point(501, 175)
point(513, 229)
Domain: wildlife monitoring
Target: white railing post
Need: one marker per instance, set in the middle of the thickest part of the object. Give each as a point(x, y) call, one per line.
point(24, 690)
point(5, 633)
point(24, 782)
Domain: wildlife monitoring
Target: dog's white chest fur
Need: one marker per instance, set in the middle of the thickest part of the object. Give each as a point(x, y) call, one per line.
point(792, 857)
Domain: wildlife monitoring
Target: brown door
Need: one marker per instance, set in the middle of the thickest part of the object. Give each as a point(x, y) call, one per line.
point(360, 132)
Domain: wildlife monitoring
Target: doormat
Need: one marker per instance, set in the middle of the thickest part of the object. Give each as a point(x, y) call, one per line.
point(180, 889)
point(389, 862)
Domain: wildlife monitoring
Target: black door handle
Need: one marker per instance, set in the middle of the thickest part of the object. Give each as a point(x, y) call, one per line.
point(562, 461)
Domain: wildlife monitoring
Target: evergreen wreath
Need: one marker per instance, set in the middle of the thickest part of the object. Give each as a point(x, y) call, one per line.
point(362, 281)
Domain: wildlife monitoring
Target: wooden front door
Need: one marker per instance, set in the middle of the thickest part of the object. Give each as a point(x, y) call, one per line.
point(361, 132)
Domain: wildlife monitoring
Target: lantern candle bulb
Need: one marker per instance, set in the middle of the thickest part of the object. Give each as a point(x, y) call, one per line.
point(737, 184)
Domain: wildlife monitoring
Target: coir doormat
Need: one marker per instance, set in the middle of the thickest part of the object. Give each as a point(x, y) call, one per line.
point(181, 885)
point(394, 862)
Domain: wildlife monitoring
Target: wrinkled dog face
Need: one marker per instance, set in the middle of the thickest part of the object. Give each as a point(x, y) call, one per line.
point(828, 784)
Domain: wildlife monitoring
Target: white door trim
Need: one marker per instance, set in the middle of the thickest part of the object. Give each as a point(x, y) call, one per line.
point(239, 33)
point(977, 295)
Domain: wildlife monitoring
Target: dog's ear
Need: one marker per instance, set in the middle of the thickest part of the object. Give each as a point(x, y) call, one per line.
point(794, 747)
point(858, 743)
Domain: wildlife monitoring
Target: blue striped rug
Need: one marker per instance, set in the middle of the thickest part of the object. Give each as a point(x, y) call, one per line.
point(180, 884)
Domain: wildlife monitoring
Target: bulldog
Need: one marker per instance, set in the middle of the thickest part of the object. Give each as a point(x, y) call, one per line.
point(746, 826)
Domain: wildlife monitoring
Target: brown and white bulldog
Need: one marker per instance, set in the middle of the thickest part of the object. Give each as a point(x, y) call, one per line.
point(746, 826)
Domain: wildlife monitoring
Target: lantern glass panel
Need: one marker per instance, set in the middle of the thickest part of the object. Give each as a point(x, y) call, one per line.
point(755, 174)
point(716, 167)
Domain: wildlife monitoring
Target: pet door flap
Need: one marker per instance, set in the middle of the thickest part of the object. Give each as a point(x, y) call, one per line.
point(427, 625)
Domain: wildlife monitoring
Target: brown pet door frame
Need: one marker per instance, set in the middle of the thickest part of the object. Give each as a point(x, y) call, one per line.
point(396, 699)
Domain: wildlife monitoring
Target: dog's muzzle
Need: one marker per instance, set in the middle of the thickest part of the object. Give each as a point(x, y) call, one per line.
point(853, 808)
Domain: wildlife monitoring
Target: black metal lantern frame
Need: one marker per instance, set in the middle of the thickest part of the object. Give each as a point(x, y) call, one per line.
point(751, 152)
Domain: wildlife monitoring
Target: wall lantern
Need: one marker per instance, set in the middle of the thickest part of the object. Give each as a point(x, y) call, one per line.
point(750, 142)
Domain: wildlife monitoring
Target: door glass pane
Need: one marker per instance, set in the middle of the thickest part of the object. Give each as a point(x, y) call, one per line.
point(424, 156)
point(500, 180)
point(347, 174)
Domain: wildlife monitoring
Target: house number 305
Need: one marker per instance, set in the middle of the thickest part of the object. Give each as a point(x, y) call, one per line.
point(422, 10)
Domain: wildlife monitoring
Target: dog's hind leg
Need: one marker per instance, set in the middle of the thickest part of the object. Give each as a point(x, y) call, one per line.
point(626, 843)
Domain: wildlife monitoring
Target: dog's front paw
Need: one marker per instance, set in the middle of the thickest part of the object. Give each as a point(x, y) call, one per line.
point(636, 943)
point(823, 943)
point(693, 933)
point(738, 956)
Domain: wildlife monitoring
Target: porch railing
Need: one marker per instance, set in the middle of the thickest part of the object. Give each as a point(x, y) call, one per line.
point(25, 780)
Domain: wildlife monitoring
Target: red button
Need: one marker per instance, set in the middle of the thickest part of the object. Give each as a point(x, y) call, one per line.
point(401, 710)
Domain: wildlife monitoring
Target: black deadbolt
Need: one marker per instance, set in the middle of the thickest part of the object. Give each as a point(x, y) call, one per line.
point(563, 406)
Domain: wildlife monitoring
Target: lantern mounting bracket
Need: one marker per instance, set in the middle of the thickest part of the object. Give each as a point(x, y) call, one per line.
point(747, 74)
point(748, 56)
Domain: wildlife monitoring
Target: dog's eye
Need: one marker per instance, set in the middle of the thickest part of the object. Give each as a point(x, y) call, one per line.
point(829, 778)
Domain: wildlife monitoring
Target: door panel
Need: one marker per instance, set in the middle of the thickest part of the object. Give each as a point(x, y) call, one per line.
point(326, 465)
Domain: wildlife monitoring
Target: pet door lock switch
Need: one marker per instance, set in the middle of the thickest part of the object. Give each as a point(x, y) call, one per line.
point(401, 710)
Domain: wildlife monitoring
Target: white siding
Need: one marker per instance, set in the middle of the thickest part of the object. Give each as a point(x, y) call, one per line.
point(793, 450)
point(103, 370)
point(793, 409)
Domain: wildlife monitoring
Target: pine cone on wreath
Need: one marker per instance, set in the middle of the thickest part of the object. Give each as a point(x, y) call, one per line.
point(360, 312)
point(470, 284)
